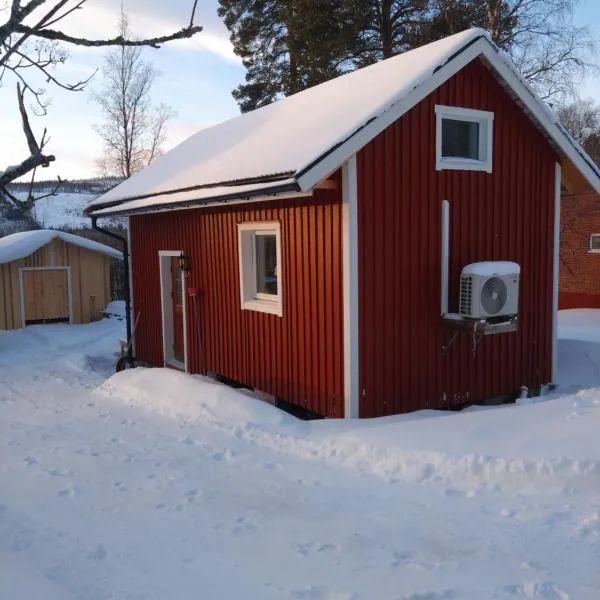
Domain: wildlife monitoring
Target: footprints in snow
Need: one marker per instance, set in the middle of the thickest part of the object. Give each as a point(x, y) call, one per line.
point(210, 452)
point(321, 593)
point(308, 548)
point(98, 554)
point(544, 590)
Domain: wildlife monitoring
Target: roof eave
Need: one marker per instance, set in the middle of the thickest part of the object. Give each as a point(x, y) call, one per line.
point(266, 179)
point(287, 190)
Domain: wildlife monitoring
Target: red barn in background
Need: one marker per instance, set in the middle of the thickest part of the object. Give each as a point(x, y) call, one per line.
point(321, 249)
point(580, 251)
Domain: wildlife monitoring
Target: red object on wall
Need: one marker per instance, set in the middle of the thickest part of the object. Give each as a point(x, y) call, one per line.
point(297, 357)
point(505, 215)
point(579, 268)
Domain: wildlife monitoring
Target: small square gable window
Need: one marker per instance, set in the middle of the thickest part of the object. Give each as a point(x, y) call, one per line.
point(463, 139)
point(595, 242)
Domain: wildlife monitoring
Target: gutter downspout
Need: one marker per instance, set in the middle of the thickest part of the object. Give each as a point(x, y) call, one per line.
point(445, 259)
point(123, 241)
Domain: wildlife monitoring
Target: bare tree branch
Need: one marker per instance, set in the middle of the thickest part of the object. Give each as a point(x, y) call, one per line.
point(193, 15)
point(51, 34)
point(30, 42)
point(133, 132)
point(31, 141)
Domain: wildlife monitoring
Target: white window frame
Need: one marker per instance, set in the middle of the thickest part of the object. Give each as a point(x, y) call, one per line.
point(250, 298)
point(593, 250)
point(485, 120)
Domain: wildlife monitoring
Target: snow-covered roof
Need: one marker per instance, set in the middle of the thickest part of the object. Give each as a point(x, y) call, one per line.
point(308, 135)
point(20, 245)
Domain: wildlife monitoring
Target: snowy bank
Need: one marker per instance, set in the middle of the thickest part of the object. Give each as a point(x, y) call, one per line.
point(515, 447)
point(176, 487)
point(116, 309)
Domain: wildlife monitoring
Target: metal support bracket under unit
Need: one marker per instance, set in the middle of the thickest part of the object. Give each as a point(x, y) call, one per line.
point(477, 328)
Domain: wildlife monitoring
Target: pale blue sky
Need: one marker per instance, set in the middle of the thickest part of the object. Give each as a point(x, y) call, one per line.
point(197, 78)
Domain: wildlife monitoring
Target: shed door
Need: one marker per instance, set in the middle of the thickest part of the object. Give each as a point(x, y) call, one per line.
point(46, 296)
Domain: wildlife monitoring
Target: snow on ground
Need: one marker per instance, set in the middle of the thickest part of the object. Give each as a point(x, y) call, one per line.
point(578, 352)
point(153, 484)
point(116, 308)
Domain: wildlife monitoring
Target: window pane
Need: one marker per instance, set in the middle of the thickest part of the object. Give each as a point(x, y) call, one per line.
point(595, 242)
point(266, 263)
point(460, 139)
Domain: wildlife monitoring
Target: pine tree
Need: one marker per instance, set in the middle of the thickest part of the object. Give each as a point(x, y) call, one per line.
point(447, 17)
point(390, 27)
point(288, 46)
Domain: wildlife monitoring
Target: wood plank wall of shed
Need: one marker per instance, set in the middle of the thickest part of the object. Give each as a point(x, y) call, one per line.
point(90, 281)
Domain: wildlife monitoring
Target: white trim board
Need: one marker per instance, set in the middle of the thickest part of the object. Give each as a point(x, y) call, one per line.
point(22, 290)
point(555, 272)
point(130, 283)
point(166, 306)
point(326, 165)
point(350, 288)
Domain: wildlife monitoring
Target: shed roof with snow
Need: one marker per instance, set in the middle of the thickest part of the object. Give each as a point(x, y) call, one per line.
point(24, 243)
point(292, 144)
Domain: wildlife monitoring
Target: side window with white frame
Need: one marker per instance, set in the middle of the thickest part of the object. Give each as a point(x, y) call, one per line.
point(464, 139)
point(595, 242)
point(260, 266)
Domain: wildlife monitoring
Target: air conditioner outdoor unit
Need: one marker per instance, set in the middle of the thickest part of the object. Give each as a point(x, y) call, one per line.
point(489, 290)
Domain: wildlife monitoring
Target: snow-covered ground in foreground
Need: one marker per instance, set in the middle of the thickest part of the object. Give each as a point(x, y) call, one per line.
point(153, 484)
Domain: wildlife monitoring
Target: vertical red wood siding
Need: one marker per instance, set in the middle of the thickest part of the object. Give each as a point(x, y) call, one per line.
point(506, 215)
point(297, 357)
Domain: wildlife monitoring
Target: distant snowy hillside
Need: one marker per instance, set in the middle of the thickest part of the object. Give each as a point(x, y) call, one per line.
point(63, 210)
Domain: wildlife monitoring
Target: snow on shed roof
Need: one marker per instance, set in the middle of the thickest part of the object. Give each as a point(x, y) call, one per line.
point(302, 136)
point(20, 245)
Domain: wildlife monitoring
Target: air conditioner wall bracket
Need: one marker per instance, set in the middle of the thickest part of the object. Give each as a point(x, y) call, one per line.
point(477, 328)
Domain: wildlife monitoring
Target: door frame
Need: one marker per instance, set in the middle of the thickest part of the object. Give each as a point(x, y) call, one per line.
point(22, 290)
point(166, 306)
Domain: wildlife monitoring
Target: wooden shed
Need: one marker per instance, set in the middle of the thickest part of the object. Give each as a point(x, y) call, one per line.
point(384, 242)
point(49, 276)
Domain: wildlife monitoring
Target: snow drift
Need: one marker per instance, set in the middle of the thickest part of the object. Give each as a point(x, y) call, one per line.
point(516, 447)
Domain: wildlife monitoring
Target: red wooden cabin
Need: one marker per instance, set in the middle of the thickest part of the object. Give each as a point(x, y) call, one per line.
point(325, 235)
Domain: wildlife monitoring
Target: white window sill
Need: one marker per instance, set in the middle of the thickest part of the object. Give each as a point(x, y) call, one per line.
point(272, 307)
point(463, 164)
point(593, 251)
